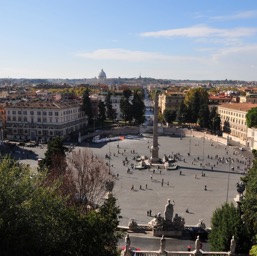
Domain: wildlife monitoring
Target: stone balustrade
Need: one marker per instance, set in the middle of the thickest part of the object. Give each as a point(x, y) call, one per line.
point(162, 252)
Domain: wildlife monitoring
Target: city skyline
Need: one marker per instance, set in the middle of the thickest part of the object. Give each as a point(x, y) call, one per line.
point(195, 40)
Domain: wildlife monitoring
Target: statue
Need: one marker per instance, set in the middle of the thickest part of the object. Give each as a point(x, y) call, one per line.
point(197, 244)
point(127, 242)
point(162, 244)
point(233, 245)
point(168, 213)
point(240, 187)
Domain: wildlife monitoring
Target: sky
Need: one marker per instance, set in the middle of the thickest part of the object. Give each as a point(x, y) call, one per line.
point(163, 39)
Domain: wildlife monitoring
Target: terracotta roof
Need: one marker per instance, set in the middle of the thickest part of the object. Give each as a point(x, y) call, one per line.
point(239, 106)
point(43, 105)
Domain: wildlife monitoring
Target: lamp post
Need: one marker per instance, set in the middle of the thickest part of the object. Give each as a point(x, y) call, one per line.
point(189, 150)
point(203, 154)
point(109, 158)
point(229, 168)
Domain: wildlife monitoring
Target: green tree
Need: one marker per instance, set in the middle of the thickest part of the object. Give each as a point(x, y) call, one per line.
point(194, 99)
point(138, 107)
point(110, 112)
point(86, 106)
point(101, 112)
point(125, 106)
point(215, 122)
point(225, 223)
point(251, 118)
point(36, 220)
point(203, 116)
point(54, 155)
point(169, 115)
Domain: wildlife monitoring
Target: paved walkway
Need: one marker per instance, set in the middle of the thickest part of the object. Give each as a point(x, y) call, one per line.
point(187, 188)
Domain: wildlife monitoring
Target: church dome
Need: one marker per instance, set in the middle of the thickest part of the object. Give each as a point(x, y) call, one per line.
point(102, 75)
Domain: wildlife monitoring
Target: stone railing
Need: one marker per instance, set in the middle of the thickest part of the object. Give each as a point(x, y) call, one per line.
point(162, 251)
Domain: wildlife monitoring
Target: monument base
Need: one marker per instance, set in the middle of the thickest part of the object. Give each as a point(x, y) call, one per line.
point(167, 233)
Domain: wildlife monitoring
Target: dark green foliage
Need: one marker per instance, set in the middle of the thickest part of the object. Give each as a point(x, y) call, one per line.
point(194, 99)
point(101, 111)
point(87, 107)
point(251, 118)
point(203, 116)
point(169, 115)
point(225, 223)
point(138, 107)
point(36, 220)
point(126, 106)
point(110, 112)
point(55, 154)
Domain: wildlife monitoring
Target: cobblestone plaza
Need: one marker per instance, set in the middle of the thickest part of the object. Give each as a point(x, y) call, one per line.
point(207, 166)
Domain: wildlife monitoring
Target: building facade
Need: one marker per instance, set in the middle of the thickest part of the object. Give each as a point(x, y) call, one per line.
point(43, 120)
point(233, 120)
point(171, 101)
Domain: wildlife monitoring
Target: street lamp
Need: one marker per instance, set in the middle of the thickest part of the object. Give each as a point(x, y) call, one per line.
point(229, 168)
point(189, 151)
point(203, 154)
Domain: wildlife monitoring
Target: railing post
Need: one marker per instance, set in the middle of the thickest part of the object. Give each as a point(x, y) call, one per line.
point(197, 246)
point(127, 251)
point(162, 251)
point(232, 246)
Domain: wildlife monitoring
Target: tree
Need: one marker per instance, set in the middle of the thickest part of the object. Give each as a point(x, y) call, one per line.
point(125, 106)
point(36, 220)
point(203, 116)
point(194, 99)
point(110, 112)
point(214, 120)
point(138, 108)
point(251, 118)
point(225, 223)
point(91, 176)
point(54, 155)
point(101, 112)
point(86, 106)
point(169, 115)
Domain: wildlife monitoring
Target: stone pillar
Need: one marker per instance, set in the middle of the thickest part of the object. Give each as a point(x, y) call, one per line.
point(155, 148)
point(127, 251)
point(162, 251)
point(232, 246)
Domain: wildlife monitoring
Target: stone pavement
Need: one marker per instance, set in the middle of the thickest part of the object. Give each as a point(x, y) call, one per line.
point(187, 188)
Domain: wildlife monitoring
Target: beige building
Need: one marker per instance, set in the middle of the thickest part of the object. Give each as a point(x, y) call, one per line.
point(249, 97)
point(170, 100)
point(43, 120)
point(233, 120)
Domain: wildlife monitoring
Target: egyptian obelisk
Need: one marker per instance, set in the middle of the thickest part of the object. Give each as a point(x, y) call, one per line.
point(155, 148)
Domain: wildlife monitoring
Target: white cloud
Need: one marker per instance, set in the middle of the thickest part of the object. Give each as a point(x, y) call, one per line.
point(128, 55)
point(241, 15)
point(242, 53)
point(202, 31)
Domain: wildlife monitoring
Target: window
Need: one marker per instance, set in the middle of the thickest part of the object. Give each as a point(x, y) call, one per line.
point(50, 113)
point(25, 119)
point(19, 119)
point(39, 113)
point(44, 120)
point(56, 114)
point(39, 119)
point(19, 112)
point(32, 113)
point(14, 112)
point(24, 112)
point(44, 113)
point(56, 120)
point(14, 118)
